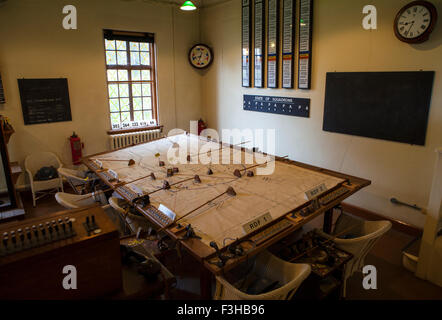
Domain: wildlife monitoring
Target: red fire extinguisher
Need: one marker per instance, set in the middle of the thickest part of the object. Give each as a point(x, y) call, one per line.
point(76, 146)
point(201, 126)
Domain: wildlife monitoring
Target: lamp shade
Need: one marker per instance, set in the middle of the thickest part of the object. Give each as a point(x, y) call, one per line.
point(188, 6)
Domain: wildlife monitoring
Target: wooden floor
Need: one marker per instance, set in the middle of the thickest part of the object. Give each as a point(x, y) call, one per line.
point(394, 282)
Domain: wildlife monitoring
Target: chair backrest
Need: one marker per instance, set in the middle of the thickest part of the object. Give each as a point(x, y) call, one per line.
point(37, 160)
point(289, 275)
point(361, 246)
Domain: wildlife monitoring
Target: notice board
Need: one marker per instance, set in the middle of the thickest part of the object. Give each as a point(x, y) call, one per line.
point(45, 100)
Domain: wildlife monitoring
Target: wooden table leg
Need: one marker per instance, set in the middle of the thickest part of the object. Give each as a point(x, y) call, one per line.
point(205, 284)
point(328, 221)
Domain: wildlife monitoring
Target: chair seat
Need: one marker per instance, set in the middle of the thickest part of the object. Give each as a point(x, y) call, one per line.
point(46, 184)
point(74, 201)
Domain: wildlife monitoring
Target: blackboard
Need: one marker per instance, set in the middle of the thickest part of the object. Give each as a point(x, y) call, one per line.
point(44, 100)
point(383, 105)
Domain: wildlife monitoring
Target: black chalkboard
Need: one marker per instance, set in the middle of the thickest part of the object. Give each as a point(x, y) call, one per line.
point(45, 100)
point(383, 105)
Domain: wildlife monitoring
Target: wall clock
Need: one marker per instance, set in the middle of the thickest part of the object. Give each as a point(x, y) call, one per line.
point(200, 56)
point(415, 22)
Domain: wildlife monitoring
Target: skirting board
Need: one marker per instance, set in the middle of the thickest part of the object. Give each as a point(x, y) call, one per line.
point(369, 215)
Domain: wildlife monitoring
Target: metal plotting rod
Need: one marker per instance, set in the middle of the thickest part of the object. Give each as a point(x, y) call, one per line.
point(261, 164)
point(230, 191)
point(225, 147)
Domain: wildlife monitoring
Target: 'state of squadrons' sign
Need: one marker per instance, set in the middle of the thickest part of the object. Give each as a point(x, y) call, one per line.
point(259, 42)
point(305, 44)
point(288, 42)
point(273, 43)
point(246, 43)
point(296, 107)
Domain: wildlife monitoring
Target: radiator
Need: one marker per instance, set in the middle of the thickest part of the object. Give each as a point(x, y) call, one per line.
point(122, 140)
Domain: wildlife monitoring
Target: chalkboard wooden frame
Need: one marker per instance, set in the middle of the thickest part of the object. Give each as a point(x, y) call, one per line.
point(45, 100)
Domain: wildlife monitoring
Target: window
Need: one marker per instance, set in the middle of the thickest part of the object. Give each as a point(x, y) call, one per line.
point(130, 67)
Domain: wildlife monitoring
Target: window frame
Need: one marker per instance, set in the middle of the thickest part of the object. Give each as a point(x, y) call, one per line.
point(129, 68)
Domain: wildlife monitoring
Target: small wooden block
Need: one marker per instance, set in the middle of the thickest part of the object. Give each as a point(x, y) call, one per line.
point(179, 227)
point(166, 185)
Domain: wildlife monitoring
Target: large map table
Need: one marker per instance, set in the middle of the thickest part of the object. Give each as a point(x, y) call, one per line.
point(260, 210)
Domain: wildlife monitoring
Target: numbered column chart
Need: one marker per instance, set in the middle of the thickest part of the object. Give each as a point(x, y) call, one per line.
point(305, 44)
point(246, 42)
point(288, 42)
point(259, 44)
point(272, 43)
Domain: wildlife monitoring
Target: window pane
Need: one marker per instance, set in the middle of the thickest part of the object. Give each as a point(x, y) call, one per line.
point(147, 103)
point(114, 105)
point(137, 104)
point(112, 75)
point(124, 90)
point(145, 58)
point(124, 104)
point(134, 46)
point(109, 44)
point(113, 91)
point(111, 58)
point(144, 46)
point(147, 115)
point(146, 89)
point(134, 58)
point(136, 90)
point(115, 118)
point(121, 45)
point(122, 58)
point(136, 75)
point(122, 75)
point(125, 117)
point(138, 116)
point(145, 75)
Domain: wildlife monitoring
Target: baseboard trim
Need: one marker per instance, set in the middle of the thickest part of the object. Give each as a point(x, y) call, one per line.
point(370, 215)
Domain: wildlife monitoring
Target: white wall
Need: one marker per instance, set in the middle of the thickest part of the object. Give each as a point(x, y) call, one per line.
point(340, 44)
point(34, 45)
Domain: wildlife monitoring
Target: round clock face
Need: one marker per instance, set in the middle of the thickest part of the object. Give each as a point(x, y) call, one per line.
point(200, 56)
point(415, 22)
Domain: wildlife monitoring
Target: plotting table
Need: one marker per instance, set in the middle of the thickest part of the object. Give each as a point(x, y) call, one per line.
point(262, 209)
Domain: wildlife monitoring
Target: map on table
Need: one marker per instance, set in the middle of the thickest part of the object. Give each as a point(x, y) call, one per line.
point(222, 220)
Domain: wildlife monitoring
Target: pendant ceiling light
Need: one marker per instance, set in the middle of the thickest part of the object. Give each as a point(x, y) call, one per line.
point(188, 6)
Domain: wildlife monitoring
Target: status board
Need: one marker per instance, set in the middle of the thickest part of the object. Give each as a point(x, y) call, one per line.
point(297, 107)
point(44, 100)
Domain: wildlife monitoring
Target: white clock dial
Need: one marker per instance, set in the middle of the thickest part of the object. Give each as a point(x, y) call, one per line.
point(200, 56)
point(414, 22)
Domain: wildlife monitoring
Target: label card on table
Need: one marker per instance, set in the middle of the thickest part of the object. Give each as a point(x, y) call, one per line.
point(246, 47)
point(257, 223)
point(259, 42)
point(273, 43)
point(310, 194)
point(305, 44)
point(288, 42)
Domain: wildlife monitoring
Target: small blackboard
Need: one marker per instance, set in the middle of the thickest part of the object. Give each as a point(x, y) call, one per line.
point(382, 105)
point(297, 107)
point(45, 100)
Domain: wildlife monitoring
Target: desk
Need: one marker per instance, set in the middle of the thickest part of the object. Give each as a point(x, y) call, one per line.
point(274, 202)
